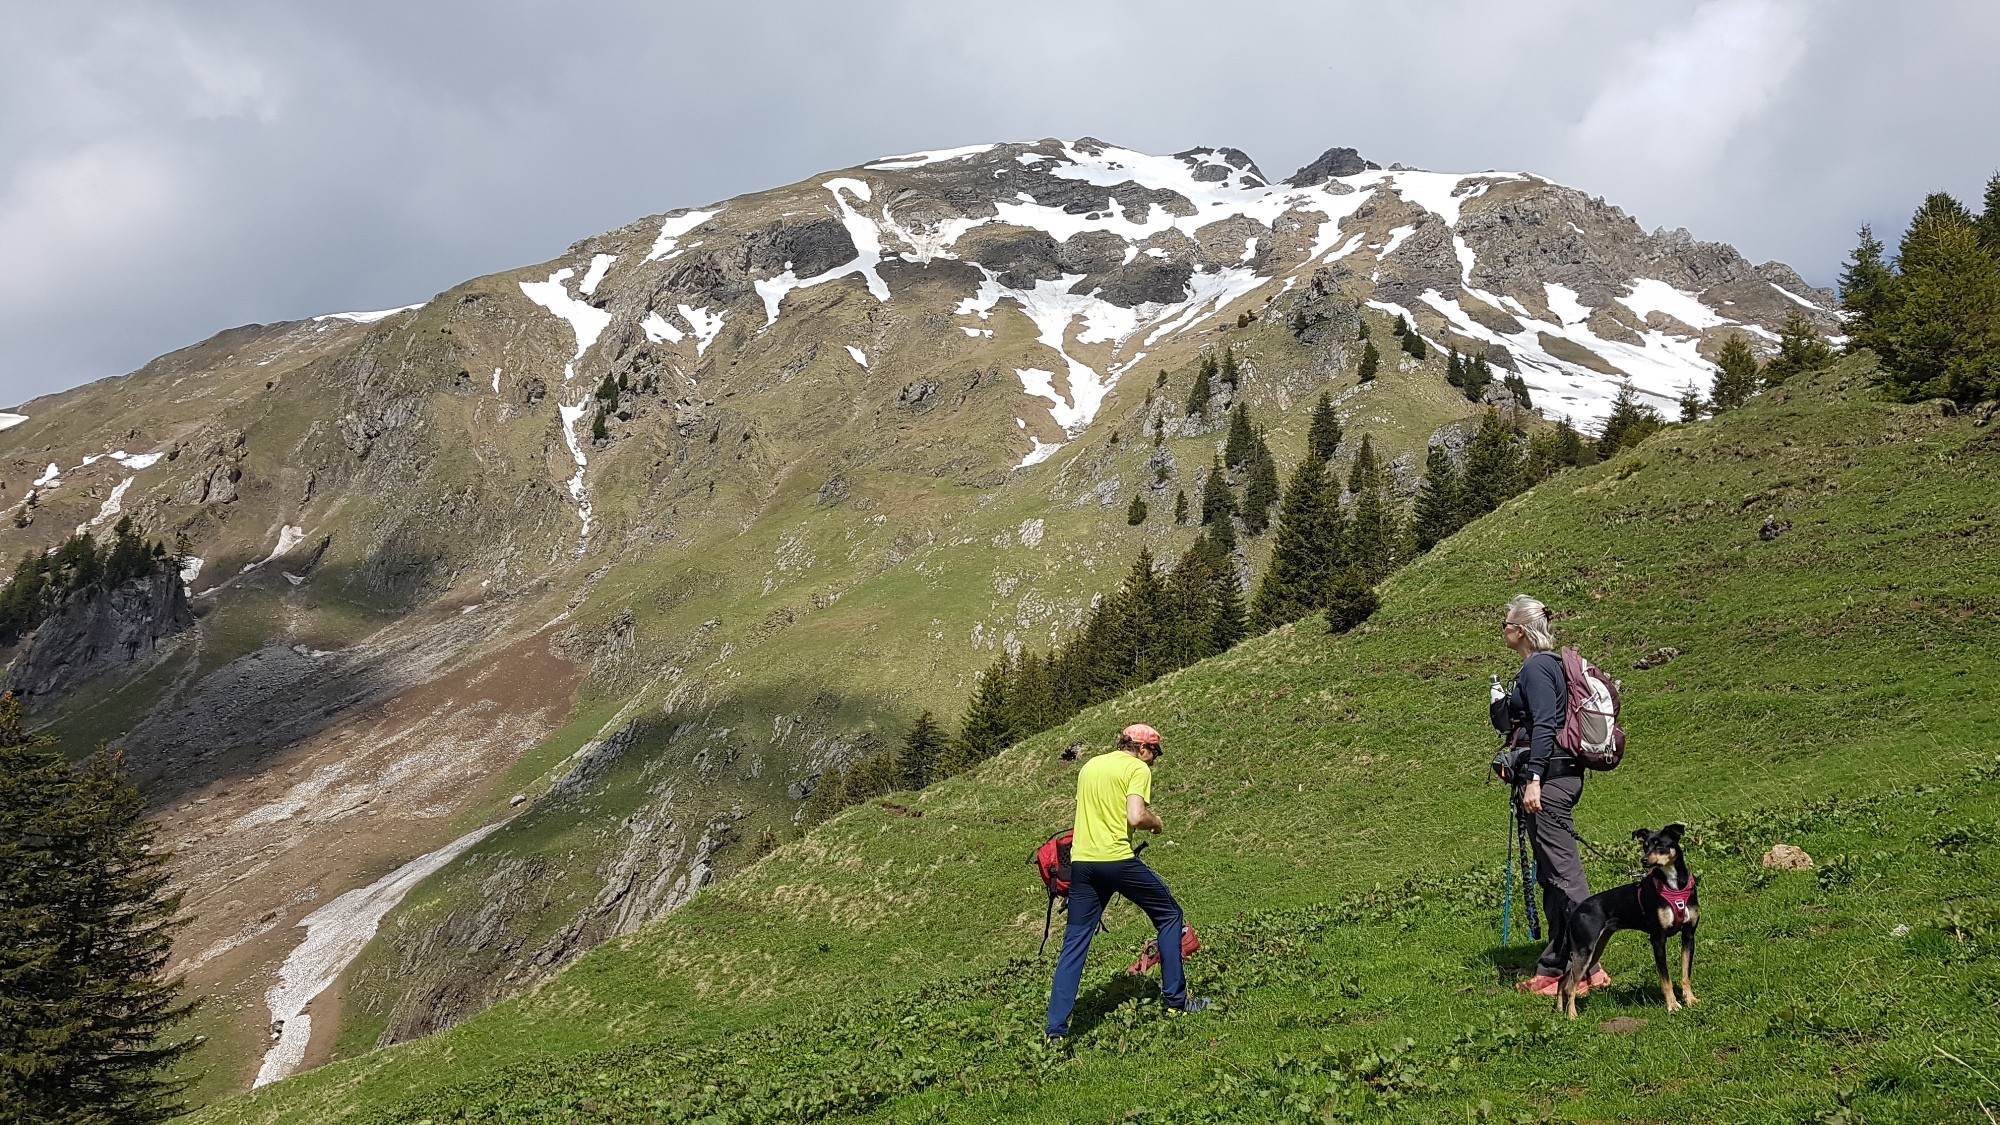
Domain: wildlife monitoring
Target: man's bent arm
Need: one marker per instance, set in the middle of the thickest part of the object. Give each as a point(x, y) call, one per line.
point(1137, 815)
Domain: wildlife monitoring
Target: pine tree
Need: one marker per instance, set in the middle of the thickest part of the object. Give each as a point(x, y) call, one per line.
point(1629, 423)
point(823, 801)
point(1229, 372)
point(1217, 502)
point(917, 763)
point(1691, 405)
point(1238, 447)
point(1800, 349)
point(1941, 338)
point(1545, 457)
point(1180, 507)
point(1323, 435)
point(1516, 386)
point(598, 432)
point(1438, 505)
point(1492, 467)
point(1371, 528)
point(987, 728)
point(1867, 290)
point(1262, 490)
point(1401, 328)
point(873, 776)
point(1360, 326)
point(1989, 220)
point(1574, 449)
point(1308, 545)
point(1226, 622)
point(1370, 360)
point(1735, 375)
point(1135, 512)
point(1454, 373)
point(1351, 600)
point(86, 927)
point(1198, 395)
point(1475, 378)
point(1413, 343)
point(608, 389)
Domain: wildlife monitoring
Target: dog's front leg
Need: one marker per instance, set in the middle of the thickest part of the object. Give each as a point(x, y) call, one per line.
point(1666, 982)
point(1687, 967)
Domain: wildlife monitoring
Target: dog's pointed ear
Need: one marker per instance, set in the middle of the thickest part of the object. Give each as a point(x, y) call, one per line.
point(1674, 830)
point(1640, 834)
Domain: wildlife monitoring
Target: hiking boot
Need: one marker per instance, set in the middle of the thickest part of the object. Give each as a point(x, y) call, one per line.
point(1194, 1004)
point(1599, 979)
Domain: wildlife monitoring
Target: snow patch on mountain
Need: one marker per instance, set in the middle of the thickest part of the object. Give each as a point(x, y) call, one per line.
point(600, 264)
point(861, 230)
point(570, 416)
point(860, 356)
point(367, 317)
point(706, 323)
point(113, 504)
point(659, 330)
point(674, 228)
point(335, 935)
point(1649, 296)
point(919, 159)
point(50, 477)
point(9, 420)
point(586, 321)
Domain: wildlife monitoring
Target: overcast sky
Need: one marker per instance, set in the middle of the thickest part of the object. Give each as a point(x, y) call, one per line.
point(169, 170)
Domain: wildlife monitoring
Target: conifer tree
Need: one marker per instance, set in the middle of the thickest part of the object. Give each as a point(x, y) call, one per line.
point(1413, 343)
point(1545, 457)
point(1307, 547)
point(1401, 328)
point(1516, 386)
point(1454, 373)
point(1217, 502)
point(1370, 360)
point(1476, 376)
point(1360, 326)
point(1229, 372)
point(608, 389)
point(86, 927)
point(1800, 349)
point(824, 800)
point(1571, 444)
point(1989, 220)
point(988, 728)
point(1239, 446)
point(1942, 334)
point(1351, 600)
point(873, 776)
point(1262, 490)
point(598, 432)
point(1866, 292)
point(1323, 435)
point(1180, 506)
point(1198, 395)
point(1437, 512)
point(1629, 423)
point(1371, 528)
point(1735, 375)
point(1135, 512)
point(1691, 406)
point(918, 760)
point(1492, 467)
point(1226, 621)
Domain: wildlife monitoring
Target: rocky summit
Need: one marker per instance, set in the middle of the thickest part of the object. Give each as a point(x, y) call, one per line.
point(523, 613)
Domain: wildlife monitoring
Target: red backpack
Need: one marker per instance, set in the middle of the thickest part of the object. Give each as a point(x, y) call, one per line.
point(1052, 864)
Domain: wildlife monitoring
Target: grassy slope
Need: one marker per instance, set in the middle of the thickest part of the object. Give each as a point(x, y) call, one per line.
point(880, 965)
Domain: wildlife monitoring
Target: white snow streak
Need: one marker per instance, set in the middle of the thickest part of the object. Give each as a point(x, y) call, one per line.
point(9, 420)
point(367, 317)
point(706, 325)
point(600, 264)
point(657, 329)
point(860, 356)
point(50, 475)
point(335, 935)
point(676, 227)
point(570, 416)
point(919, 159)
point(496, 380)
point(1650, 296)
point(113, 504)
point(863, 232)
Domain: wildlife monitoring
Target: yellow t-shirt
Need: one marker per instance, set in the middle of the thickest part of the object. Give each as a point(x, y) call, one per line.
point(1102, 836)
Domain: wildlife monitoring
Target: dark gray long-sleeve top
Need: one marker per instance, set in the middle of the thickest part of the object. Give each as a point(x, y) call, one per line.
point(1533, 713)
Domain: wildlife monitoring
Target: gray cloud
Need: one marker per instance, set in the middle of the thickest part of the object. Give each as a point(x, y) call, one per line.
point(167, 170)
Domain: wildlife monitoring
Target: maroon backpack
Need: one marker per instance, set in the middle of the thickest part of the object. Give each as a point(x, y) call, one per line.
point(1590, 730)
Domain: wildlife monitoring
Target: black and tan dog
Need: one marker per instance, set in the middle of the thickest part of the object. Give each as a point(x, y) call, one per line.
point(1662, 903)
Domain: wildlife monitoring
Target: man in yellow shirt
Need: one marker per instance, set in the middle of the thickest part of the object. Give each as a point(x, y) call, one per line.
point(1113, 792)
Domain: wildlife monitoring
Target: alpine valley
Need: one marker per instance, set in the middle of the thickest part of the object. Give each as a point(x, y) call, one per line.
point(510, 620)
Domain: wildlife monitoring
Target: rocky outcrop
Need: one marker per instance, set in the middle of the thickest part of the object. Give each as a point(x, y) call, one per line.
point(95, 631)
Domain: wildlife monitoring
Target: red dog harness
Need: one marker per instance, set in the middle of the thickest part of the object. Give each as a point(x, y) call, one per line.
point(1677, 901)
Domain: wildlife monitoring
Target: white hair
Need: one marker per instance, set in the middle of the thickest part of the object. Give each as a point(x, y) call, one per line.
point(1533, 618)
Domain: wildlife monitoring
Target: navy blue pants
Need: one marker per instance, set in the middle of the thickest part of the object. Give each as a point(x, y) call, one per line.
point(1091, 885)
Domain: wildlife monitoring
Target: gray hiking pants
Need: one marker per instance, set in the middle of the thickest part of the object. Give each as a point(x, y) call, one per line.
point(1558, 866)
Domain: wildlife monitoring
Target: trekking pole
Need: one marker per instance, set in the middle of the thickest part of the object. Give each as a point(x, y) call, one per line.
point(1507, 882)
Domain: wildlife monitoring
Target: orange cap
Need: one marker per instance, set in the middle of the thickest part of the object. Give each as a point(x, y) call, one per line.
point(1139, 734)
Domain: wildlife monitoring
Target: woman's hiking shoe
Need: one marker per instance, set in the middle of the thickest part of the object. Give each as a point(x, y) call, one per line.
point(1194, 1004)
point(1542, 984)
point(1599, 978)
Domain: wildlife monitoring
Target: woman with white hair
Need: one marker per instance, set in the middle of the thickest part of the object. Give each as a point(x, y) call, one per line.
point(1548, 784)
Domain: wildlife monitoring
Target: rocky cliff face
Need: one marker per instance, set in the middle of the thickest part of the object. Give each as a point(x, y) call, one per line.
point(649, 535)
point(96, 631)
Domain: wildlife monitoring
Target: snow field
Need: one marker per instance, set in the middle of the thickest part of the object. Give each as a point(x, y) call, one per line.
point(674, 228)
point(600, 264)
point(335, 935)
point(9, 420)
point(860, 356)
point(367, 317)
point(587, 322)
